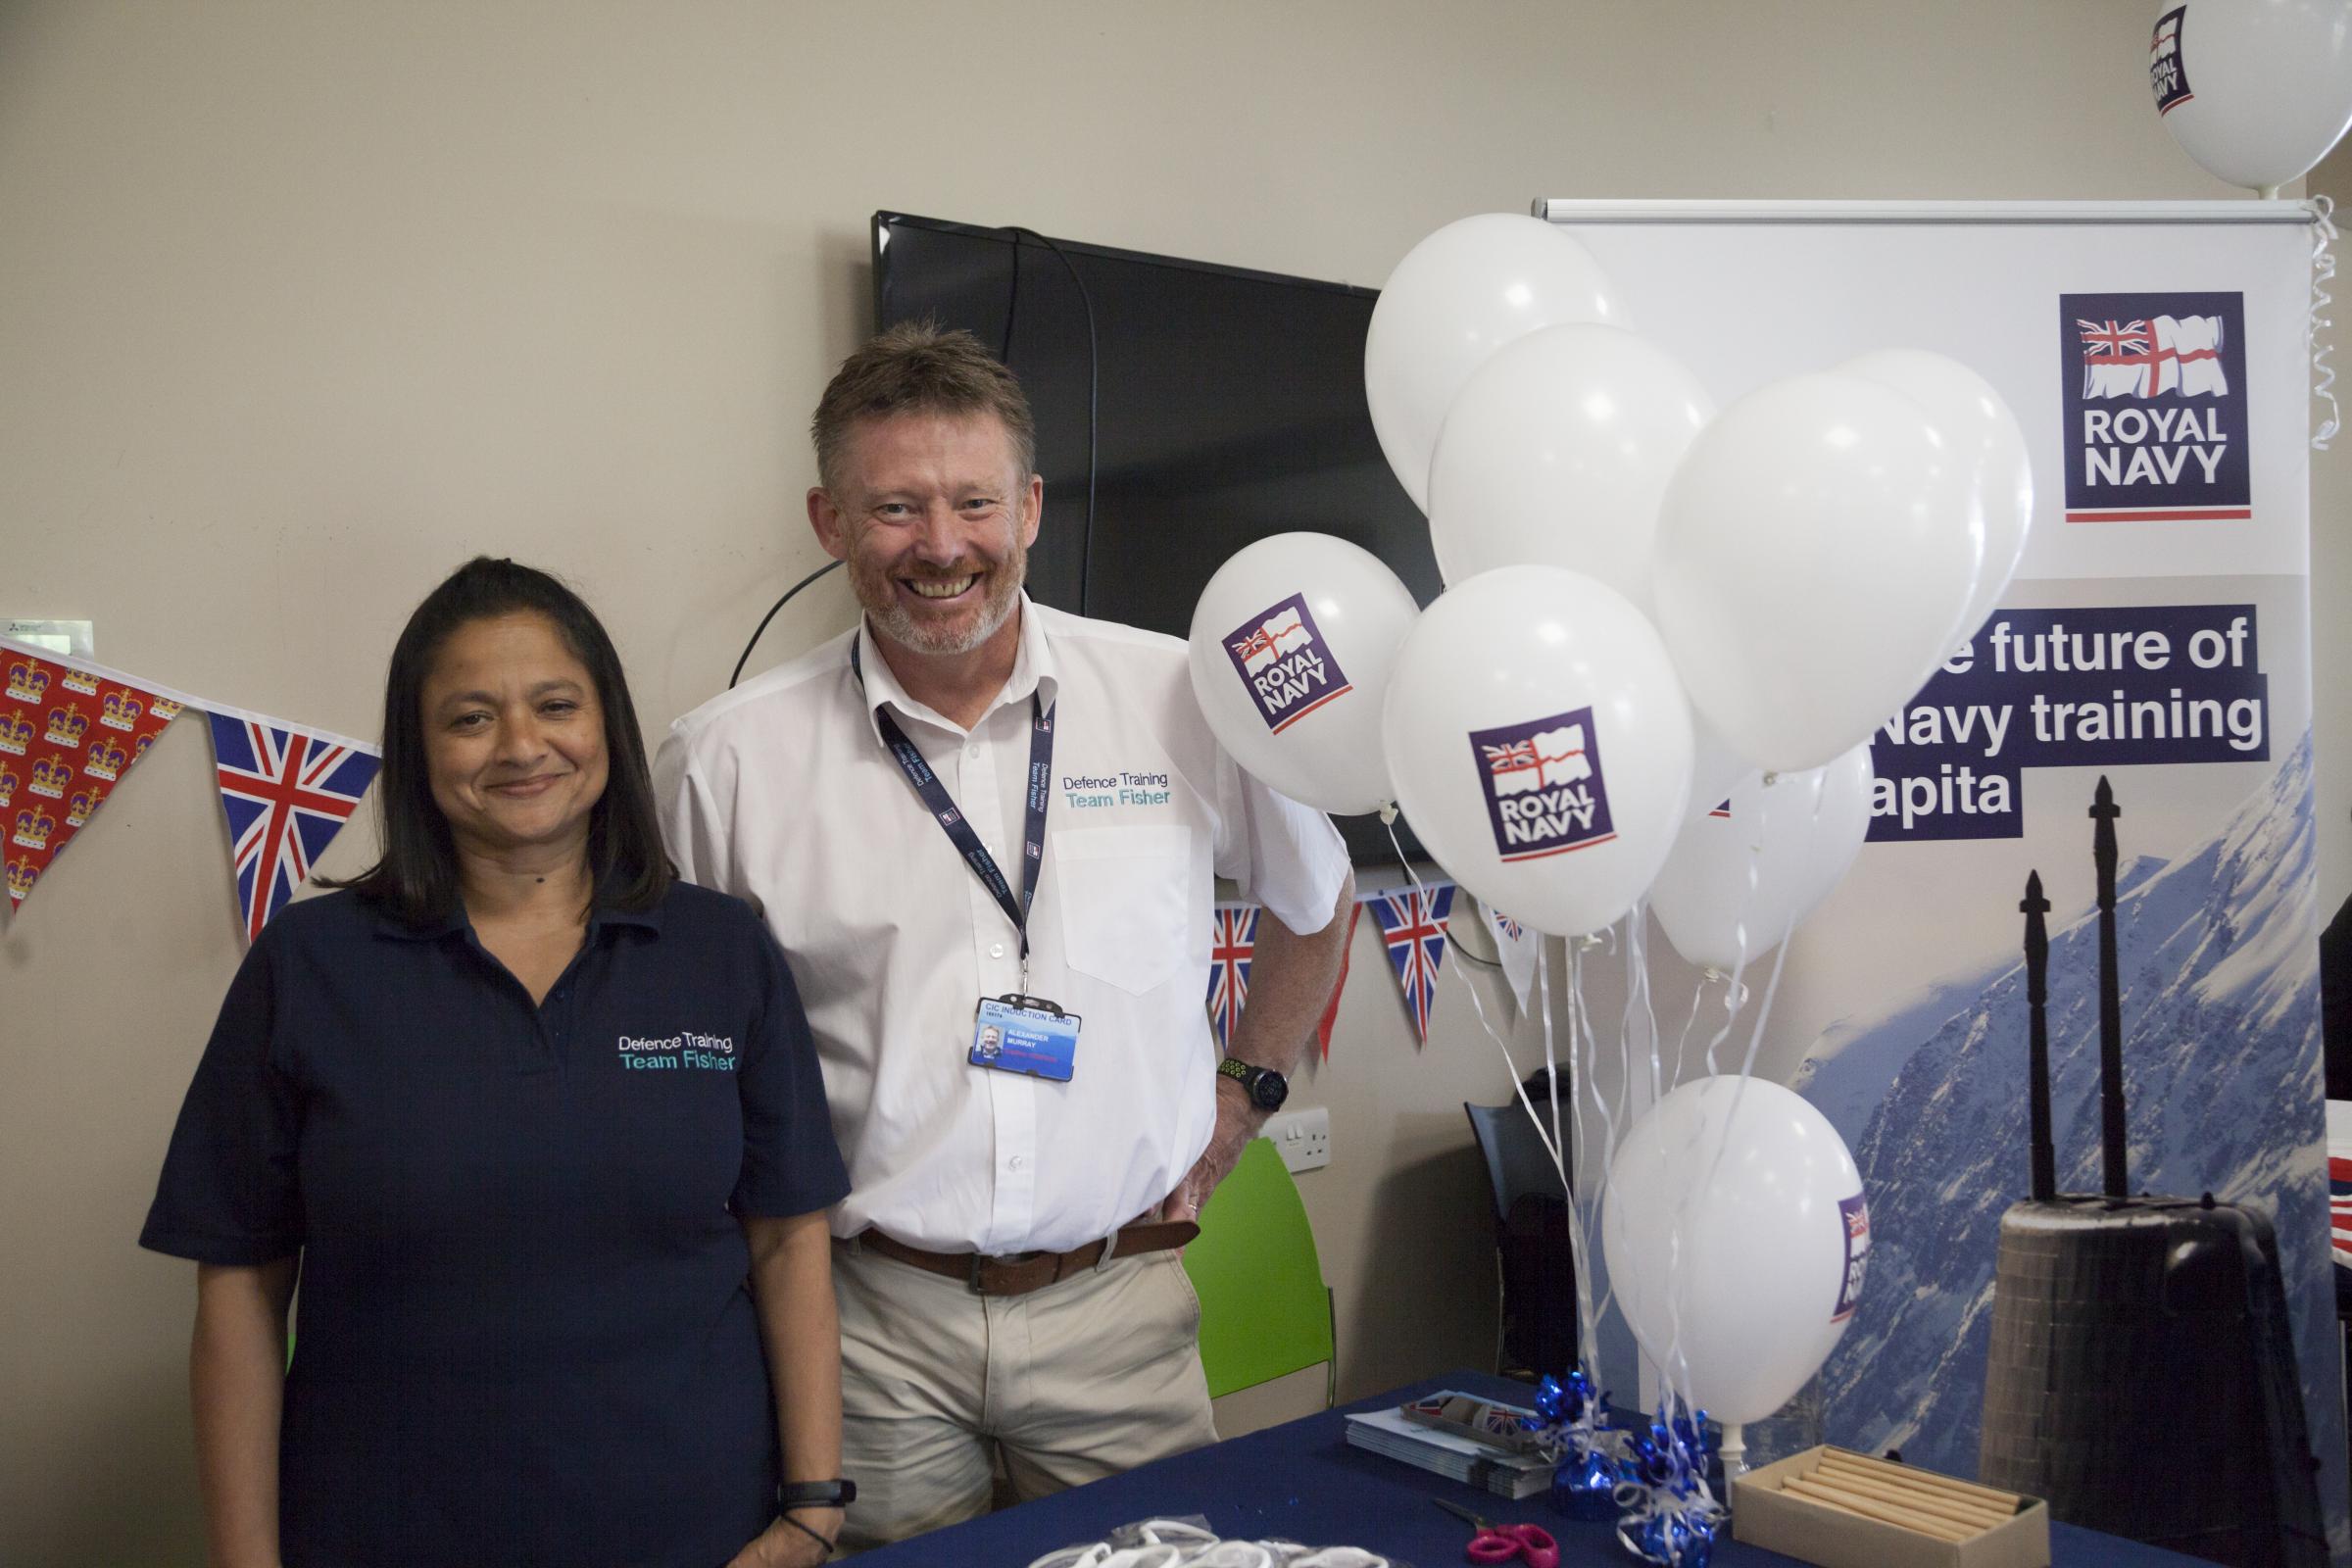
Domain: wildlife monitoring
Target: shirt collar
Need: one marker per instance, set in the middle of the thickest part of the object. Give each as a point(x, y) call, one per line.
point(392, 925)
point(1034, 671)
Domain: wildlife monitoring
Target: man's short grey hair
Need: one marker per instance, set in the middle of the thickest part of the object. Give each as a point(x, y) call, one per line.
point(921, 368)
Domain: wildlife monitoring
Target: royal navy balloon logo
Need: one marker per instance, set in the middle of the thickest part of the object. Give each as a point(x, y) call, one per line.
point(1854, 1213)
point(2167, 76)
point(1284, 663)
point(1545, 790)
point(2155, 408)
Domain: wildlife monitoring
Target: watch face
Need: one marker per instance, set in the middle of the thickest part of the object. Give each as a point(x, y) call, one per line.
point(1270, 1089)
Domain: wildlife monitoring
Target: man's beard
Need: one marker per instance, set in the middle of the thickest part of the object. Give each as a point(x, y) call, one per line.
point(1001, 593)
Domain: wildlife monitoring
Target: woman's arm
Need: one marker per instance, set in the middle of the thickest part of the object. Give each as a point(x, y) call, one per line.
point(792, 1281)
point(237, 1378)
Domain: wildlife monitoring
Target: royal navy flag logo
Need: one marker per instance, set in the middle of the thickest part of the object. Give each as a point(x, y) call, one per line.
point(2168, 78)
point(2155, 408)
point(1853, 1214)
point(1284, 663)
point(1544, 791)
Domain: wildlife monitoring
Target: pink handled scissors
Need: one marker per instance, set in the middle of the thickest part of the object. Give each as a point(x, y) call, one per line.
point(1502, 1542)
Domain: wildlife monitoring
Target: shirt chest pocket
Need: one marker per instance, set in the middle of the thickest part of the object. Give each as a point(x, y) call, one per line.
point(1126, 902)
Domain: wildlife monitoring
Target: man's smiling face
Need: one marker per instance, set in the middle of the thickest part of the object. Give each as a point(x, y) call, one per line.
point(935, 524)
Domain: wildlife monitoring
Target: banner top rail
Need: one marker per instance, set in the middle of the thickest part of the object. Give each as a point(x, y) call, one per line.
point(1580, 210)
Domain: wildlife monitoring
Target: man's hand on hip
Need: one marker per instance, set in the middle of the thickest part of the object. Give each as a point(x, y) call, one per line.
point(1238, 1122)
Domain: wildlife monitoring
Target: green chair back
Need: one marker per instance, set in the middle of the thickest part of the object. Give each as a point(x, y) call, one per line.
point(1264, 1309)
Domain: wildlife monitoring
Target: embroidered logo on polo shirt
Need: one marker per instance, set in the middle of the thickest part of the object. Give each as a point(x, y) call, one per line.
point(1119, 787)
point(682, 1051)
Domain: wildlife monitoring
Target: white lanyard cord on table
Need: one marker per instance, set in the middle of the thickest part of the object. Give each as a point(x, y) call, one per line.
point(1178, 1544)
point(952, 821)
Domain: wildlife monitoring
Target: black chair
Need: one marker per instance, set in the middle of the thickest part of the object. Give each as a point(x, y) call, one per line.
point(1535, 1256)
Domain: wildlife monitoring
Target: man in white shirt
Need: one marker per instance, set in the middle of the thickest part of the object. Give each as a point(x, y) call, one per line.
point(986, 834)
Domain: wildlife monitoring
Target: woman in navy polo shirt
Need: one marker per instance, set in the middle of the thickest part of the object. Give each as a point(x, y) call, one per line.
point(541, 1132)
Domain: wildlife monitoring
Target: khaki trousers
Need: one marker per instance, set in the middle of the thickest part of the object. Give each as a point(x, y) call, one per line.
point(1069, 1384)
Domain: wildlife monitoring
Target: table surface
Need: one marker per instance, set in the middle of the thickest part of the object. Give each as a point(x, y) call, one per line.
point(1301, 1482)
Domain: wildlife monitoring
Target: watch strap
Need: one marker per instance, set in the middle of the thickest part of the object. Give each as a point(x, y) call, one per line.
point(837, 1493)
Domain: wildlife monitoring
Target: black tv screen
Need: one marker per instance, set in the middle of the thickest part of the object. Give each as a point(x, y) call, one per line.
point(1228, 405)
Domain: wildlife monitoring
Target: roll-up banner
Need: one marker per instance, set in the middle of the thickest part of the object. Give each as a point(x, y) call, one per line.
point(2157, 632)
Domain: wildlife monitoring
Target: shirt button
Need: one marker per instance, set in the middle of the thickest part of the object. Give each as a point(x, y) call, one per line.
point(996, 950)
point(1017, 1163)
point(972, 752)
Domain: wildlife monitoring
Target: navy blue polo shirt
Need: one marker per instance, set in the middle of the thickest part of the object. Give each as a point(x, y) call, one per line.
point(525, 1327)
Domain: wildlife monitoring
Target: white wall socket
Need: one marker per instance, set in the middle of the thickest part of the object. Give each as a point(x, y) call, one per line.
point(1302, 1138)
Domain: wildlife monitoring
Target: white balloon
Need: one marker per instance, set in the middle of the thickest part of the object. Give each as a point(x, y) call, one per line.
point(1714, 766)
point(1539, 745)
point(1979, 425)
point(2255, 90)
point(1459, 295)
point(1557, 451)
point(1738, 882)
point(1740, 1274)
point(1815, 554)
point(1292, 641)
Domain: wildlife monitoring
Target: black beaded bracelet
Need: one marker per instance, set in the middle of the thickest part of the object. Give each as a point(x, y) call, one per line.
point(830, 1549)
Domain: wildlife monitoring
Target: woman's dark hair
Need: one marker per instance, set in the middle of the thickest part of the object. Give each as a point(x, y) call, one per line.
point(416, 877)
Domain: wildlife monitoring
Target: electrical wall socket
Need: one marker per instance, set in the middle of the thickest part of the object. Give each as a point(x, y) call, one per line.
point(1302, 1138)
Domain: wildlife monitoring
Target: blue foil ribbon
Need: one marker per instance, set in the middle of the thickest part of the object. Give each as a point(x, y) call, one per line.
point(1670, 1518)
point(1650, 1482)
point(1576, 1433)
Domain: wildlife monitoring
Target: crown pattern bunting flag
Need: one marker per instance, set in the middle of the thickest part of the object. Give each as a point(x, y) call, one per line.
point(67, 737)
point(286, 792)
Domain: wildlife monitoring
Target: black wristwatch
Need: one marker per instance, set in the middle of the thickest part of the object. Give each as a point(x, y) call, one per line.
point(815, 1495)
point(1266, 1088)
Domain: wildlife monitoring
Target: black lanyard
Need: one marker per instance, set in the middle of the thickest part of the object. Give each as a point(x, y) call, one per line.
point(943, 809)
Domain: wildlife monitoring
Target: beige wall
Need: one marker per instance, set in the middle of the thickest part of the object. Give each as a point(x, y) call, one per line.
point(300, 303)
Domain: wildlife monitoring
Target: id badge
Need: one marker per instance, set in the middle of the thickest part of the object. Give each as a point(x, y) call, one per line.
point(1025, 1034)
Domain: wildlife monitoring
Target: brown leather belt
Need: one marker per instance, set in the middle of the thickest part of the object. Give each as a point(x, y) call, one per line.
point(1024, 1272)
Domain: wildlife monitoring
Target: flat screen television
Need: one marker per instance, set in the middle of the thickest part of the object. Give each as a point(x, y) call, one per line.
point(1227, 405)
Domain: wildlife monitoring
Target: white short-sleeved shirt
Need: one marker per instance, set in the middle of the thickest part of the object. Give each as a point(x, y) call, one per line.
point(781, 791)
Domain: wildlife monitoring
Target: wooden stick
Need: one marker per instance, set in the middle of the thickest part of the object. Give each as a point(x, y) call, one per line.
point(1925, 1499)
point(2006, 1499)
point(1884, 1512)
point(1920, 1485)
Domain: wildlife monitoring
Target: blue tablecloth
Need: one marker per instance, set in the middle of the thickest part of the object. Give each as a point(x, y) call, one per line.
point(1303, 1482)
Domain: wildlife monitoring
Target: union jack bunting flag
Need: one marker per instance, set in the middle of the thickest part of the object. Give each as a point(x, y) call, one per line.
point(1515, 947)
point(2339, 1205)
point(1232, 936)
point(1412, 922)
point(287, 793)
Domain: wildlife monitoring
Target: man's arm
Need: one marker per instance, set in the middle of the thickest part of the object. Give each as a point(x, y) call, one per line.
point(1291, 977)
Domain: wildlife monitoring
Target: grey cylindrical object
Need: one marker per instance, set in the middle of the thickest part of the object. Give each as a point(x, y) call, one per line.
point(2141, 1378)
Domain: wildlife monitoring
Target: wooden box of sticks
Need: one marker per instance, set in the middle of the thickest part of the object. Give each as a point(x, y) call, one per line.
point(1840, 1509)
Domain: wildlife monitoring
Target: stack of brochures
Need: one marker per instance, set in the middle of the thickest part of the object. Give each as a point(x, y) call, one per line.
point(1497, 1470)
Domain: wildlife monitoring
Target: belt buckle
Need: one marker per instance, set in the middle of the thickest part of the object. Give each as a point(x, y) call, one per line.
point(972, 1273)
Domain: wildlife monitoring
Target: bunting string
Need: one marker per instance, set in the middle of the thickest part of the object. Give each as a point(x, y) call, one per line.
point(70, 728)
